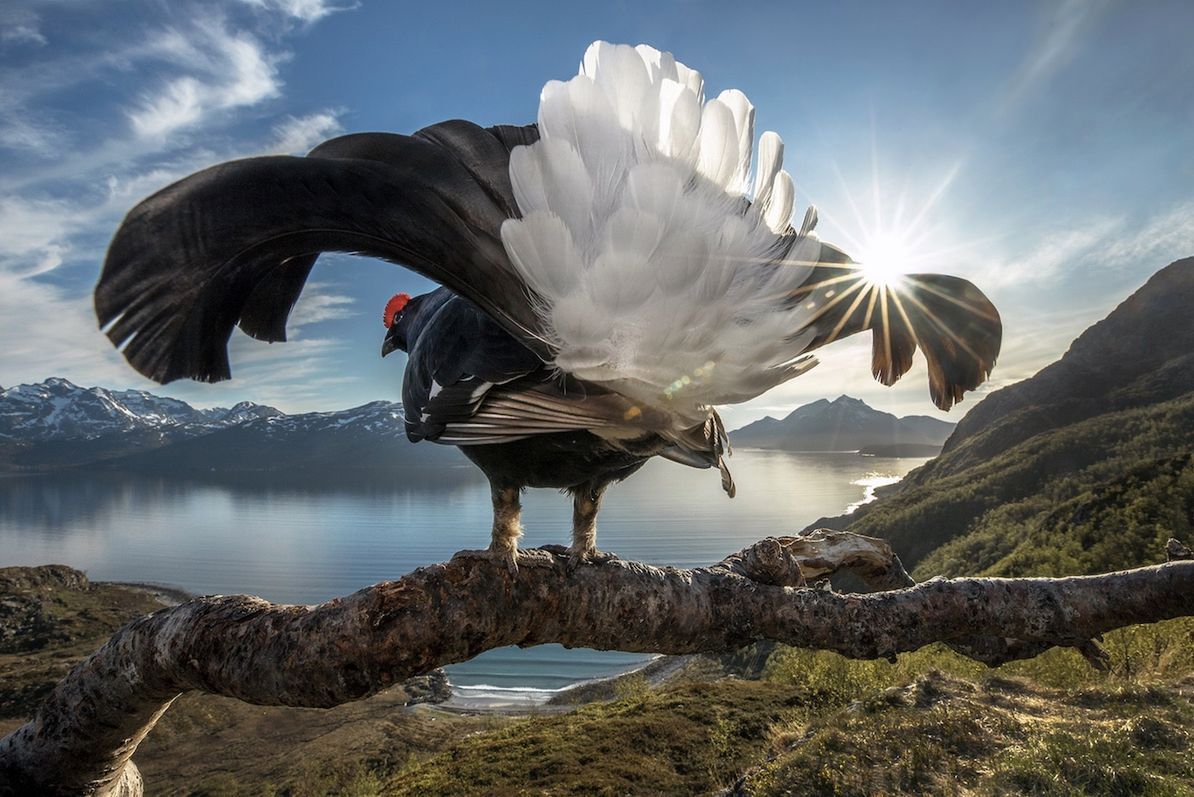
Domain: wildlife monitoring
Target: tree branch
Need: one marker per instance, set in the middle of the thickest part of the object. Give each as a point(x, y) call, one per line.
point(82, 738)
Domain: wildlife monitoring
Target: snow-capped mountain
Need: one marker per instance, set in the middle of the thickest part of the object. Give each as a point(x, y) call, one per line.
point(57, 424)
point(57, 409)
point(382, 418)
point(844, 424)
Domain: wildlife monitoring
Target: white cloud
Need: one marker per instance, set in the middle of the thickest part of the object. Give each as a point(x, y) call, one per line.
point(1108, 243)
point(296, 136)
point(19, 131)
point(178, 105)
point(317, 304)
point(20, 26)
point(33, 233)
point(49, 332)
point(302, 10)
point(1163, 239)
point(1057, 251)
point(228, 71)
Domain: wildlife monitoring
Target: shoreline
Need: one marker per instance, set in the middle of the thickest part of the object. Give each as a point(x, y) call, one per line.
point(520, 700)
point(166, 594)
point(516, 700)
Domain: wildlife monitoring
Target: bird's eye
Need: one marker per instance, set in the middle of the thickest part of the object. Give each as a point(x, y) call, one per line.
point(394, 308)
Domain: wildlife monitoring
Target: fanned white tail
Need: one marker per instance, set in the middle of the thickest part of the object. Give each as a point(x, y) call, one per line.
point(664, 271)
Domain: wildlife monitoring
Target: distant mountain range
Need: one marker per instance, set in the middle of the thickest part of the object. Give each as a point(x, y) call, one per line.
point(846, 424)
point(57, 409)
point(1087, 466)
point(57, 424)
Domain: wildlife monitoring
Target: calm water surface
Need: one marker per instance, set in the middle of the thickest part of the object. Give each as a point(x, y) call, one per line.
point(307, 545)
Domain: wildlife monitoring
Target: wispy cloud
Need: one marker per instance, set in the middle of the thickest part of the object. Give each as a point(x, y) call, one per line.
point(20, 25)
point(1111, 243)
point(22, 132)
point(302, 10)
point(1059, 40)
point(320, 303)
point(226, 70)
point(1053, 253)
point(48, 330)
point(295, 136)
point(1163, 238)
point(33, 234)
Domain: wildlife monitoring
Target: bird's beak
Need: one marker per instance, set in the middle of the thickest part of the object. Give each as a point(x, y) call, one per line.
point(389, 344)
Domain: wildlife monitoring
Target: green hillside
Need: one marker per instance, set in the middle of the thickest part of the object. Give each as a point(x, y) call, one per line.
point(1084, 467)
point(1098, 495)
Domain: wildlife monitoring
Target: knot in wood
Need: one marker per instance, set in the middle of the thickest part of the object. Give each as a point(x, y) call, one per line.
point(769, 562)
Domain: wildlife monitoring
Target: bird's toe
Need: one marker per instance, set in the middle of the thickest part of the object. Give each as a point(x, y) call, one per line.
point(506, 558)
point(588, 556)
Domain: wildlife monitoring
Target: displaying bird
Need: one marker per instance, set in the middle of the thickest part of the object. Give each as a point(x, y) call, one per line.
point(610, 274)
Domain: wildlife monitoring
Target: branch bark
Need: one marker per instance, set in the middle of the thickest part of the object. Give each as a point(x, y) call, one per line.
point(82, 738)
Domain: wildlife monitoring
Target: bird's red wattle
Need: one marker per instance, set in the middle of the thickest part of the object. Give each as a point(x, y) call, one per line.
point(393, 308)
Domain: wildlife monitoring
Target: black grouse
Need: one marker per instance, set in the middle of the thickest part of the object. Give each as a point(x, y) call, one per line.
point(609, 274)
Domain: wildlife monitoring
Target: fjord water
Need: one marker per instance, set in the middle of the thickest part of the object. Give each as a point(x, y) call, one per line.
point(305, 545)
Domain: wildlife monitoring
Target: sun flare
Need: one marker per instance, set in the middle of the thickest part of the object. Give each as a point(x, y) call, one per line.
point(885, 258)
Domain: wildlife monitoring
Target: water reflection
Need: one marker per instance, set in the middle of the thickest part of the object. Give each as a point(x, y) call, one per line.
point(305, 543)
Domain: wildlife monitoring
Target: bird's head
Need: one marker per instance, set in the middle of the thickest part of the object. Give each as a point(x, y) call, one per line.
point(406, 317)
point(399, 309)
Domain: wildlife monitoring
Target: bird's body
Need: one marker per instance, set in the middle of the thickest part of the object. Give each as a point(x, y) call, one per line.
point(610, 274)
point(470, 383)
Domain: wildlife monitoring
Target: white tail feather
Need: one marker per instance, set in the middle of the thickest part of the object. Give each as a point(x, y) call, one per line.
point(658, 276)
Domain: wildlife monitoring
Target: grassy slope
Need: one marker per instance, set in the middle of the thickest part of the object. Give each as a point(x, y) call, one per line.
point(51, 617)
point(685, 739)
point(816, 723)
point(944, 736)
point(1099, 494)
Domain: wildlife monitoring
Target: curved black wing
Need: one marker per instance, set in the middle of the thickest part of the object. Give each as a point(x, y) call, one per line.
point(234, 244)
point(948, 318)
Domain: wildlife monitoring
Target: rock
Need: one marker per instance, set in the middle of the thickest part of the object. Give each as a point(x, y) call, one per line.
point(434, 687)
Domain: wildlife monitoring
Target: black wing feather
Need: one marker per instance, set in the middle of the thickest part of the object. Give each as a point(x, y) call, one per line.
point(948, 318)
point(234, 243)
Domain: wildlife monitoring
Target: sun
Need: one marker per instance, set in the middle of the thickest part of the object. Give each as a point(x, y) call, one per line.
point(884, 258)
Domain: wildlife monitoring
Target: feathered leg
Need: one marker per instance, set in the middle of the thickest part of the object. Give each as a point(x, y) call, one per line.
point(507, 525)
point(586, 500)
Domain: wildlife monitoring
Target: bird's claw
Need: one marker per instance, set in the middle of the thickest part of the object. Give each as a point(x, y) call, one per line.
point(588, 556)
point(507, 557)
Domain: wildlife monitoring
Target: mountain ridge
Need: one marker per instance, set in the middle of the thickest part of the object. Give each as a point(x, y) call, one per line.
point(843, 424)
point(1083, 466)
point(58, 409)
point(55, 424)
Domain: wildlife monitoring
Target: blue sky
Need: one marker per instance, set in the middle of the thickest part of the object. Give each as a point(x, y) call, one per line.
point(1041, 149)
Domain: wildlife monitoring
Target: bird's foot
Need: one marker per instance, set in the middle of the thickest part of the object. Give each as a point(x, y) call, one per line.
point(492, 555)
point(588, 556)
